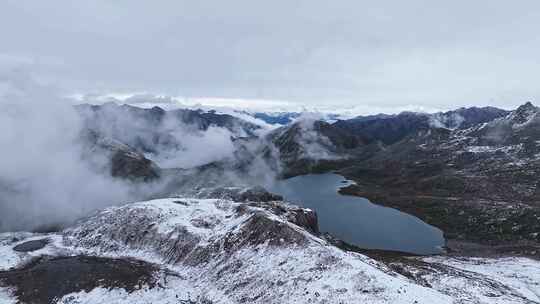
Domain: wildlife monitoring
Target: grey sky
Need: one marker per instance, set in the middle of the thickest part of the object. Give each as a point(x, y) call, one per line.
point(384, 54)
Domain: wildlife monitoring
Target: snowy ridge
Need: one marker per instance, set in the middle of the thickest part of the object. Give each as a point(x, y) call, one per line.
point(223, 251)
point(511, 138)
point(228, 262)
point(515, 278)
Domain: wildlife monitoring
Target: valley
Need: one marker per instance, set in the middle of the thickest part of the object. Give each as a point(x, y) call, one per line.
point(210, 208)
point(476, 183)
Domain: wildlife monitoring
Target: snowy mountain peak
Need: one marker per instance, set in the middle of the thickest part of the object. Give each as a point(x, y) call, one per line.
point(524, 114)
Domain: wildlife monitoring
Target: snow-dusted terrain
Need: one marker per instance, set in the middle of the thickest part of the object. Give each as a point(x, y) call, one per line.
point(223, 251)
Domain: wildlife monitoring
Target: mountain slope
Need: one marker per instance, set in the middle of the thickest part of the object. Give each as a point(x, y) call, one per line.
point(222, 251)
point(477, 184)
point(166, 136)
point(304, 144)
point(390, 129)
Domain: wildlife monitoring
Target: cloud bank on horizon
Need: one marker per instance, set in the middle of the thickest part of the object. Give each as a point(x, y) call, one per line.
point(377, 56)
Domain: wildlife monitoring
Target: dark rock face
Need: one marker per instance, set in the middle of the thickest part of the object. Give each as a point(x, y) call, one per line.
point(47, 280)
point(123, 160)
point(254, 194)
point(387, 130)
point(260, 230)
point(341, 139)
point(305, 219)
point(133, 166)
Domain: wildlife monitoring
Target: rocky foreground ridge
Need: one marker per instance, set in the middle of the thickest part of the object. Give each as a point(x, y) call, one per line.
point(235, 247)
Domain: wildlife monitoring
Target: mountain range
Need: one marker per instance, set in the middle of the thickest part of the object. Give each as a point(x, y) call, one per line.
point(216, 236)
point(456, 170)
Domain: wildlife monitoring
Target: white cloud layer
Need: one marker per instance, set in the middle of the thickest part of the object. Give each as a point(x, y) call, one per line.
point(383, 54)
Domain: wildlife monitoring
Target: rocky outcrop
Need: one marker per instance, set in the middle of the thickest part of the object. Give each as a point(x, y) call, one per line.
point(120, 160)
point(133, 166)
point(239, 194)
point(146, 226)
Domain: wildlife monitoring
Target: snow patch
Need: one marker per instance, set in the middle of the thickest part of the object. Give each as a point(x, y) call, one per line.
point(520, 274)
point(6, 297)
point(494, 149)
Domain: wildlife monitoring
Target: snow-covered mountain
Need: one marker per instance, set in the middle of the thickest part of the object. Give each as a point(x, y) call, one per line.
point(193, 250)
point(390, 129)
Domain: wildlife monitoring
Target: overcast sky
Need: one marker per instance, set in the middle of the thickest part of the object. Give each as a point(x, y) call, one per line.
point(370, 54)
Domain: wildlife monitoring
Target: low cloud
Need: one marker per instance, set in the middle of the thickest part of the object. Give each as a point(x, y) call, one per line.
point(43, 180)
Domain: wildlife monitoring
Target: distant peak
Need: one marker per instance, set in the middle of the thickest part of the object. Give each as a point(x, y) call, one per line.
point(524, 113)
point(157, 109)
point(528, 106)
point(109, 104)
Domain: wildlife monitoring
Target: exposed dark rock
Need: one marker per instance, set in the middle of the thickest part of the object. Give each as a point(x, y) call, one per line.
point(123, 160)
point(259, 230)
point(387, 130)
point(306, 219)
point(253, 194)
point(48, 279)
point(133, 166)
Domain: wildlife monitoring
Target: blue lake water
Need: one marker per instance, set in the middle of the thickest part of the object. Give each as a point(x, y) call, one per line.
point(356, 220)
